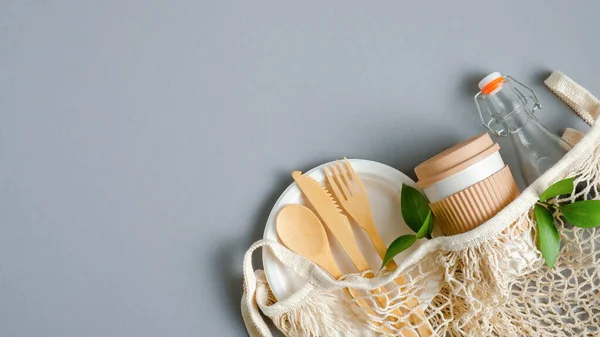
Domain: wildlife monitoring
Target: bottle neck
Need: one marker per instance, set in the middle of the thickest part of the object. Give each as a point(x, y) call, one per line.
point(515, 121)
point(528, 131)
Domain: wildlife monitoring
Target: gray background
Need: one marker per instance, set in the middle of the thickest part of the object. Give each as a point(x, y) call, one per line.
point(142, 143)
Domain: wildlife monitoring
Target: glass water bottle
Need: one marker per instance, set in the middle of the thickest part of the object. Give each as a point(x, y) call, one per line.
point(506, 108)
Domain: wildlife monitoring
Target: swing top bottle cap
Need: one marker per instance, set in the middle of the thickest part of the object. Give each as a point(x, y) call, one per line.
point(489, 78)
point(491, 83)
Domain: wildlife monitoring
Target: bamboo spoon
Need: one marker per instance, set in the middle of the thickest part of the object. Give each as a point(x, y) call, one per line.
point(302, 232)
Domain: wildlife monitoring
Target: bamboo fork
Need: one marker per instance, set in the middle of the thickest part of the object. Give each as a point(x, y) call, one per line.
point(350, 191)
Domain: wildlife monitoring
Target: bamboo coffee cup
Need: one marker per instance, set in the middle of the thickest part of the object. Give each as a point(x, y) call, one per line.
point(467, 184)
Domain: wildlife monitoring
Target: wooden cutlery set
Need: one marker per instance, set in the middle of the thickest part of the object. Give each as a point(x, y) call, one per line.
point(302, 231)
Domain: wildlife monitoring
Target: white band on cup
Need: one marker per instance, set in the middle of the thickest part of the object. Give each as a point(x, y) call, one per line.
point(465, 178)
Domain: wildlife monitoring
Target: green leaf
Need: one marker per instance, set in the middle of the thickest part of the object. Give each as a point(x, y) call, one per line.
point(549, 239)
point(398, 246)
point(424, 230)
point(430, 226)
point(564, 186)
point(584, 214)
point(415, 207)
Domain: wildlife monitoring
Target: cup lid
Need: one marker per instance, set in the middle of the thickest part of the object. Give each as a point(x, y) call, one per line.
point(455, 159)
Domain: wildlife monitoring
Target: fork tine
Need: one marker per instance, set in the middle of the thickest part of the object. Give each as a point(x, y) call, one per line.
point(345, 178)
point(329, 174)
point(337, 175)
point(355, 178)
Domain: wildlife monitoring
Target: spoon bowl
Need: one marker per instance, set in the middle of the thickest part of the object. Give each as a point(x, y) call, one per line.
point(302, 232)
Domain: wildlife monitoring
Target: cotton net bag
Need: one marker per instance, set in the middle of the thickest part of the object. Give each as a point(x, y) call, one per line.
point(490, 281)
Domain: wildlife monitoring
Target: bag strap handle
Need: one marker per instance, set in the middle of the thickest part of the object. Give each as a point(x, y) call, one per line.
point(255, 324)
point(577, 97)
point(253, 299)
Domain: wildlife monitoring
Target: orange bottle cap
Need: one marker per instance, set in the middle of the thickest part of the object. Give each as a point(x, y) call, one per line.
point(491, 83)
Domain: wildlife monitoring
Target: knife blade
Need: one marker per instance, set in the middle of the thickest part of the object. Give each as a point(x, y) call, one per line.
point(332, 216)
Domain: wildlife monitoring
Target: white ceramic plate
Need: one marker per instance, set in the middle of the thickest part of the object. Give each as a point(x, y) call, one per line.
point(383, 184)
